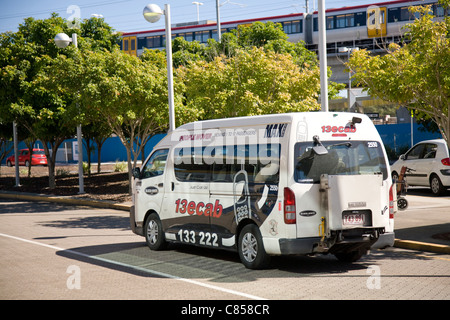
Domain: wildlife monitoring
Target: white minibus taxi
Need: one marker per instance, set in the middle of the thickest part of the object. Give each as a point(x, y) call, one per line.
point(284, 184)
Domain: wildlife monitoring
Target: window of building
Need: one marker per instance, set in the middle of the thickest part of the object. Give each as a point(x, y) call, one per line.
point(330, 23)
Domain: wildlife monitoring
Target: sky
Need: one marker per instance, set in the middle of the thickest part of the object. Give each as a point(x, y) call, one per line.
point(126, 15)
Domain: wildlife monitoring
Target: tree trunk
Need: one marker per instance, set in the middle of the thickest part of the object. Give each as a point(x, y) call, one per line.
point(99, 160)
point(130, 180)
point(51, 174)
point(51, 165)
point(51, 160)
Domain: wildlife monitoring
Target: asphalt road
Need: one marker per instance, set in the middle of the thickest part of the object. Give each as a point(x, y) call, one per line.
point(53, 251)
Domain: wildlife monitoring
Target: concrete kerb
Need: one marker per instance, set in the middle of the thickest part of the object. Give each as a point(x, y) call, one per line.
point(405, 244)
point(422, 246)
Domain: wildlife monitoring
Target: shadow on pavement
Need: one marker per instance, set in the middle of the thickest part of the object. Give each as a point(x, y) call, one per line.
point(93, 222)
point(221, 266)
point(425, 192)
point(430, 234)
point(12, 206)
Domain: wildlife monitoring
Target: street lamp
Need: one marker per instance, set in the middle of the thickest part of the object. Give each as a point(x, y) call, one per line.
point(198, 14)
point(323, 57)
point(349, 51)
point(62, 40)
point(219, 31)
point(218, 5)
point(152, 13)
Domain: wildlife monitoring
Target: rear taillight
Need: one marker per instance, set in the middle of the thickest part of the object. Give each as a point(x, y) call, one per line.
point(289, 206)
point(446, 161)
point(391, 202)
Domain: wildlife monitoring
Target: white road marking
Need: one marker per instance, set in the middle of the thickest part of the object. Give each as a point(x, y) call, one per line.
point(161, 274)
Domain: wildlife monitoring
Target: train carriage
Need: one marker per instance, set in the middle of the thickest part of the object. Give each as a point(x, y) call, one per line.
point(363, 26)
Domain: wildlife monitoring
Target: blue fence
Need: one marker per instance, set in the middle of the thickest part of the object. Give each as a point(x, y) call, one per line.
point(112, 150)
point(397, 137)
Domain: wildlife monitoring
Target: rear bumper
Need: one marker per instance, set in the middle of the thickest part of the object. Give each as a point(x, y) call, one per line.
point(298, 246)
point(445, 177)
point(309, 245)
point(38, 162)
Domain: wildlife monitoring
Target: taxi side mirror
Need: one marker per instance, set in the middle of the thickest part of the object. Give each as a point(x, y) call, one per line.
point(136, 172)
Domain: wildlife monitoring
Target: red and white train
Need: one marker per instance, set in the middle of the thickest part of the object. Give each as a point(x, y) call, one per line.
point(355, 26)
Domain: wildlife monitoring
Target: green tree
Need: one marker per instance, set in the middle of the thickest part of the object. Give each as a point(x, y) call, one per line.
point(187, 51)
point(258, 34)
point(253, 70)
point(130, 94)
point(98, 35)
point(416, 74)
point(250, 83)
point(28, 59)
point(23, 97)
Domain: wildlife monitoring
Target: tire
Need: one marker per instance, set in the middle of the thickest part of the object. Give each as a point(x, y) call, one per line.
point(27, 163)
point(436, 185)
point(8, 163)
point(251, 248)
point(153, 232)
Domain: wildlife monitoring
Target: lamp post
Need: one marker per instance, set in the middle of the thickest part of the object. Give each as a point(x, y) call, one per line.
point(349, 52)
point(62, 40)
point(198, 13)
point(323, 57)
point(16, 154)
point(152, 13)
point(218, 5)
point(219, 31)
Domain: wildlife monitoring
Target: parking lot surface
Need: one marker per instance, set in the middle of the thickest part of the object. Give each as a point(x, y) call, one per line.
point(55, 251)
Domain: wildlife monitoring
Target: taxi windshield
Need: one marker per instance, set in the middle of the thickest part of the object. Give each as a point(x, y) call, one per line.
point(342, 158)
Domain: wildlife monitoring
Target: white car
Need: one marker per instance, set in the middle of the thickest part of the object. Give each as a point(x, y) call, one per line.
point(429, 163)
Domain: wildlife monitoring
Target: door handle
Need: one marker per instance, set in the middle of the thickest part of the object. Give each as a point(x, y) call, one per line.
point(160, 185)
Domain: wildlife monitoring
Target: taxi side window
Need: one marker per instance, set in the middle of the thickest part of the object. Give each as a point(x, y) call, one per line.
point(156, 164)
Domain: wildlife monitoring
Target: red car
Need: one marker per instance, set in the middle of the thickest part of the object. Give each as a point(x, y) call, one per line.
point(38, 158)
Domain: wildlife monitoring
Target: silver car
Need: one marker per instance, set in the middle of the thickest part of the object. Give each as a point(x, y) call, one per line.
point(429, 163)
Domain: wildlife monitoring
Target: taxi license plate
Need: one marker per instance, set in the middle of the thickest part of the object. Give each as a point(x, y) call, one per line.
point(353, 219)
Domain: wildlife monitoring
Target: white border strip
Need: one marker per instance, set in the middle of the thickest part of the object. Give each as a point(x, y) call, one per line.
point(161, 274)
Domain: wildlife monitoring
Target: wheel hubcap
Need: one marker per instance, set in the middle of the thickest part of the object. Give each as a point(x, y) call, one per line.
point(152, 232)
point(434, 185)
point(249, 247)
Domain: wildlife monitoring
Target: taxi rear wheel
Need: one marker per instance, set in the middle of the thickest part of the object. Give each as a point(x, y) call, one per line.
point(251, 248)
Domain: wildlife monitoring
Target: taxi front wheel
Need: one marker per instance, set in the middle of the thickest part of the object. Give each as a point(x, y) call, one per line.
point(154, 234)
